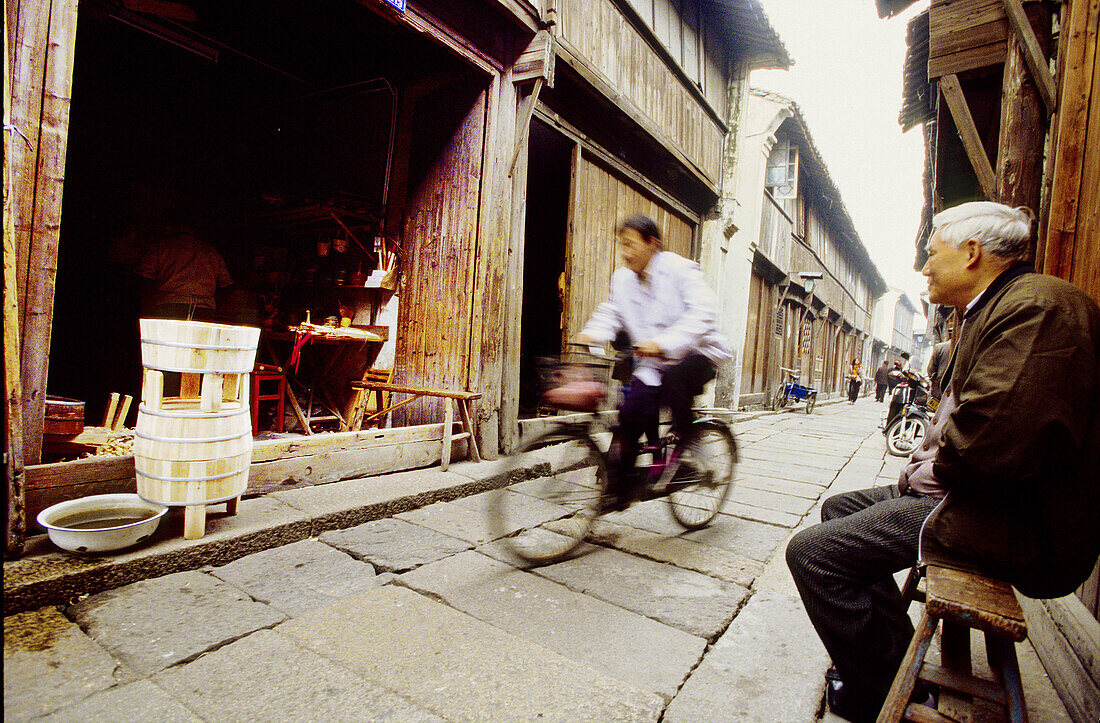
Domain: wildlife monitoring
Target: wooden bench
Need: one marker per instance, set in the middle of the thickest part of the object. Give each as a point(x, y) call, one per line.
point(461, 399)
point(960, 601)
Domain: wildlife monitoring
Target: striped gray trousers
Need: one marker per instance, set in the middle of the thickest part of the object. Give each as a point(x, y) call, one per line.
point(843, 569)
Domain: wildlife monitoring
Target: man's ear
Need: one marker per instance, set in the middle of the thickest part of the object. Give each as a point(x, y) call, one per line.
point(974, 251)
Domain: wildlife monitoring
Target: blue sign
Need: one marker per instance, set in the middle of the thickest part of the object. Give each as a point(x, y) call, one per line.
point(399, 5)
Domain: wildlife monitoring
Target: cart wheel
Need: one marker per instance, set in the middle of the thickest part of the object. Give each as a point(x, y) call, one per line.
point(810, 402)
point(779, 399)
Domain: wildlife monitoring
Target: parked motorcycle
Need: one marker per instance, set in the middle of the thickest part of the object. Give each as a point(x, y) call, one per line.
point(908, 419)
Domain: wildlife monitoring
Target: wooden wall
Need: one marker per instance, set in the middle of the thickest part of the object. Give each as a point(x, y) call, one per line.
point(759, 333)
point(597, 32)
point(440, 235)
point(600, 198)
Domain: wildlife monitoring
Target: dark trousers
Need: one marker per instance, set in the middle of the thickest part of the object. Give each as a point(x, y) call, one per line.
point(853, 389)
point(640, 410)
point(880, 392)
point(843, 569)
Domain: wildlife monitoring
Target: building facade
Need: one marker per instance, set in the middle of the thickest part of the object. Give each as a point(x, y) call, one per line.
point(809, 285)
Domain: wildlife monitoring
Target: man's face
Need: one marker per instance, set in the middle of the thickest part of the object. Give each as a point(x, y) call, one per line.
point(948, 271)
point(636, 250)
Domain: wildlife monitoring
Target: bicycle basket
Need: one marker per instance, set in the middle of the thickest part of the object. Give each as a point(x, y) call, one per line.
point(574, 381)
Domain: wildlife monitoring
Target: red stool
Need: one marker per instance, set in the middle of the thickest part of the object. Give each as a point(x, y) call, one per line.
point(268, 373)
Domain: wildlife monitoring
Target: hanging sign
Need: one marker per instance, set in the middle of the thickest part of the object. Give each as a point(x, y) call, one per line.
point(398, 5)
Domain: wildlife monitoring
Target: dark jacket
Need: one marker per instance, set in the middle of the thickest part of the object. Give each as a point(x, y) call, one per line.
point(1018, 455)
point(882, 375)
point(937, 365)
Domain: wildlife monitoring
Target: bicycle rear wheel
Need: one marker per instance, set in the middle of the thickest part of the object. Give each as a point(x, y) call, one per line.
point(779, 398)
point(560, 478)
point(699, 486)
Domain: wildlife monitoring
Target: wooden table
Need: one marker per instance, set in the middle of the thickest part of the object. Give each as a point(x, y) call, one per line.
point(320, 379)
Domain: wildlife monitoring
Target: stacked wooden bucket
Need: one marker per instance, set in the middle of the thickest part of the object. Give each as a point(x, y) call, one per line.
point(194, 449)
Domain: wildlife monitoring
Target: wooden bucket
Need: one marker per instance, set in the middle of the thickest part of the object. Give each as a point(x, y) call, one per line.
point(184, 456)
point(64, 417)
point(194, 347)
point(194, 449)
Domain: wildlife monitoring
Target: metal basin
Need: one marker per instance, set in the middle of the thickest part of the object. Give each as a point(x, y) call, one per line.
point(101, 523)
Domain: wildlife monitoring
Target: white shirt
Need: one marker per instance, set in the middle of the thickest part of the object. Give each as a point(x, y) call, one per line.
point(672, 306)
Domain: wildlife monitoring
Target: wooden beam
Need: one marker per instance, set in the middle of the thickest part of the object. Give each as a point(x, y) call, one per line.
point(968, 132)
point(16, 518)
point(523, 127)
point(1033, 53)
point(1078, 60)
point(1023, 126)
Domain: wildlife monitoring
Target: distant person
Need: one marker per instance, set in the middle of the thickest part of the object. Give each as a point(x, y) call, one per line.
point(1006, 479)
point(894, 377)
point(183, 276)
point(937, 365)
point(855, 381)
point(882, 380)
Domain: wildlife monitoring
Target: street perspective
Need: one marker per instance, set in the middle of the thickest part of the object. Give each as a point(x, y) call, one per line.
point(665, 361)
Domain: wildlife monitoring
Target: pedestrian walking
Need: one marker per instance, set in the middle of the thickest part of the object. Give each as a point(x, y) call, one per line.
point(855, 381)
point(882, 380)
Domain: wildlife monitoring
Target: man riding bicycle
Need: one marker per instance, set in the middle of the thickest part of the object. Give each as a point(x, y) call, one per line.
point(663, 304)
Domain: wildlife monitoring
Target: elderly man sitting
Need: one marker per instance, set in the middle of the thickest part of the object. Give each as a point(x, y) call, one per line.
point(1005, 478)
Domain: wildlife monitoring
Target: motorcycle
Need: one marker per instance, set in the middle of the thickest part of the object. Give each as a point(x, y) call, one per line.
point(909, 416)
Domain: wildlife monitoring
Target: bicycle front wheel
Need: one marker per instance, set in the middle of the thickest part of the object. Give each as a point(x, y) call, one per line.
point(701, 482)
point(558, 480)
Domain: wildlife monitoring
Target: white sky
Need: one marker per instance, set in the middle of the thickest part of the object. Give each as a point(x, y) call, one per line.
point(847, 80)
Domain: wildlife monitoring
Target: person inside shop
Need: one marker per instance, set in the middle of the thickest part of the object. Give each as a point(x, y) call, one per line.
point(184, 276)
point(663, 304)
point(1006, 480)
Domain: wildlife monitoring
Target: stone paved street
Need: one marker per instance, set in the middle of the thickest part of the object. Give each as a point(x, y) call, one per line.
point(421, 617)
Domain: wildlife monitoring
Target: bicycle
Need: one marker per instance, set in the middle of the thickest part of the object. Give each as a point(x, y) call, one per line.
point(558, 478)
point(791, 389)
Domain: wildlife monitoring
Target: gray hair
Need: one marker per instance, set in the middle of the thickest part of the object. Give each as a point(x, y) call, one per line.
point(1000, 229)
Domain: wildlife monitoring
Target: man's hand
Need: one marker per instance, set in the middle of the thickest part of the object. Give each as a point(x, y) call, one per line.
point(648, 348)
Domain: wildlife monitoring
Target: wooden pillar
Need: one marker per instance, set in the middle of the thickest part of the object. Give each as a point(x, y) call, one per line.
point(45, 40)
point(1023, 120)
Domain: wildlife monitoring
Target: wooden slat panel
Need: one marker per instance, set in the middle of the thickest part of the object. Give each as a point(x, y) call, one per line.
point(602, 199)
point(598, 32)
point(434, 324)
point(965, 34)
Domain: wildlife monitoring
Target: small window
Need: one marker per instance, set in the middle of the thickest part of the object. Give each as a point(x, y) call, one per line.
point(782, 174)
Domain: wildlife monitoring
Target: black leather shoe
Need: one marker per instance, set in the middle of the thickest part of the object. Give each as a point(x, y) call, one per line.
point(841, 702)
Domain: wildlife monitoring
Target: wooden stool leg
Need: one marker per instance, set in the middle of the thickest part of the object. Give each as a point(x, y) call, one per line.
point(906, 679)
point(231, 506)
point(1001, 653)
point(955, 656)
point(448, 432)
point(468, 427)
point(194, 522)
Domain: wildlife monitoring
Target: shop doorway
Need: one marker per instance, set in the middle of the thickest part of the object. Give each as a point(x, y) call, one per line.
point(548, 183)
point(248, 122)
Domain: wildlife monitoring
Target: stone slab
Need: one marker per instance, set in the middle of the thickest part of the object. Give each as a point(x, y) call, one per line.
point(678, 551)
point(760, 514)
point(49, 663)
point(298, 577)
point(771, 484)
point(768, 666)
point(353, 502)
point(774, 501)
point(394, 545)
point(801, 458)
point(754, 540)
point(139, 701)
point(798, 473)
point(459, 667)
point(632, 648)
point(685, 599)
point(45, 575)
point(153, 624)
point(268, 676)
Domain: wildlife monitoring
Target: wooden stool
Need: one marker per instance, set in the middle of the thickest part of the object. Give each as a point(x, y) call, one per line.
point(961, 601)
point(268, 373)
